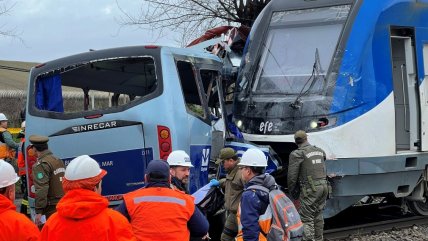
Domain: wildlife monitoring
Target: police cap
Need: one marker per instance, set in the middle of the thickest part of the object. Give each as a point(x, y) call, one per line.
point(300, 135)
point(38, 140)
point(225, 153)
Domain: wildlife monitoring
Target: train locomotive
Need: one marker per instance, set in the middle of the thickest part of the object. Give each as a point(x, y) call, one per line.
point(353, 75)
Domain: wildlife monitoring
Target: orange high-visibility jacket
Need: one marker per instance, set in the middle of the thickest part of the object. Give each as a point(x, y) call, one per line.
point(13, 225)
point(21, 158)
point(159, 213)
point(83, 215)
point(5, 150)
point(264, 223)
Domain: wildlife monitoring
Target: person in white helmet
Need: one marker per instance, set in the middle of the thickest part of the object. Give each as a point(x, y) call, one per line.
point(253, 202)
point(180, 164)
point(83, 214)
point(8, 146)
point(13, 225)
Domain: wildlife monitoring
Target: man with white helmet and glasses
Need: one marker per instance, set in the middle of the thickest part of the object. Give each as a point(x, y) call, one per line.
point(253, 202)
point(83, 214)
point(13, 225)
point(8, 146)
point(180, 164)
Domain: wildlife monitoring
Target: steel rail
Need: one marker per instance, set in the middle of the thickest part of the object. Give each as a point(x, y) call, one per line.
point(401, 223)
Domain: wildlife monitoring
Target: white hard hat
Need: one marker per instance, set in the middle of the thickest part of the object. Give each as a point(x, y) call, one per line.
point(7, 174)
point(23, 124)
point(2, 117)
point(179, 158)
point(82, 167)
point(253, 158)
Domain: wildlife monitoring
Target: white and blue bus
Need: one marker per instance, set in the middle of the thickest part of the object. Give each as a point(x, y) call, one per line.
point(127, 106)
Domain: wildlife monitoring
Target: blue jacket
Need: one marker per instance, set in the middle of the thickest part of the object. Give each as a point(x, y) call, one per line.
point(253, 204)
point(197, 225)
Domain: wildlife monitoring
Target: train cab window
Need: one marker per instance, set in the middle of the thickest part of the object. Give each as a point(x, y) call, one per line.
point(97, 85)
point(190, 89)
point(299, 49)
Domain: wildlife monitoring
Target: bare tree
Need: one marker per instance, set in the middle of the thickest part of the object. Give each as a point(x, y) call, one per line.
point(192, 17)
point(5, 8)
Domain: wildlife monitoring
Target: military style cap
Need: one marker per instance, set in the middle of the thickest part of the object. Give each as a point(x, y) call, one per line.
point(225, 153)
point(38, 140)
point(300, 135)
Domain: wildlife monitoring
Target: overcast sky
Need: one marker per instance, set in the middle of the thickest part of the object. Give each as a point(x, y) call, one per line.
point(52, 29)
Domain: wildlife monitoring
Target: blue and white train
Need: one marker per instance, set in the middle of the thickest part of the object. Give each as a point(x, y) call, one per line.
point(353, 74)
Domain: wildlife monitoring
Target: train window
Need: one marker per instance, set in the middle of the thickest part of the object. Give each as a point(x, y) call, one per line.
point(298, 50)
point(97, 85)
point(190, 88)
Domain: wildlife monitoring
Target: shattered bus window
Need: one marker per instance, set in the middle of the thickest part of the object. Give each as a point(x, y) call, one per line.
point(96, 85)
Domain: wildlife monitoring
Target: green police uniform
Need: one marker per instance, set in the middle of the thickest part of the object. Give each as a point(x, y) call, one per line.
point(47, 176)
point(233, 188)
point(306, 171)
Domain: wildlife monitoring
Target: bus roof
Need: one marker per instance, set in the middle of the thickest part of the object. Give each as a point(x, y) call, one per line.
point(128, 51)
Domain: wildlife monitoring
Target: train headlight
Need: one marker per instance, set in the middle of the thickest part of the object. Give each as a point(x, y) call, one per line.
point(239, 124)
point(313, 124)
point(321, 122)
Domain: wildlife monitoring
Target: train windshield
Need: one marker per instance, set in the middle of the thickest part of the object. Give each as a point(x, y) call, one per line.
point(298, 50)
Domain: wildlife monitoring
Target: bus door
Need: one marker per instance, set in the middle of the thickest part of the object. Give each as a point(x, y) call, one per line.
point(198, 80)
point(94, 108)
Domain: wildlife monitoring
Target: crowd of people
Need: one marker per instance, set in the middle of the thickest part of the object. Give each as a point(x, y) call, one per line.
point(69, 204)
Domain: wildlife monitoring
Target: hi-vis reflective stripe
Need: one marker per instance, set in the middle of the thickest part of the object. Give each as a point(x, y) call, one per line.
point(161, 199)
point(275, 200)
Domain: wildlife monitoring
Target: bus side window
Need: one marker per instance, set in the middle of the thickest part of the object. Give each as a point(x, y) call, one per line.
point(190, 89)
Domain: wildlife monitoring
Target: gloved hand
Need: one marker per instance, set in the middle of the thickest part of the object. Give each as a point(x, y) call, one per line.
point(214, 183)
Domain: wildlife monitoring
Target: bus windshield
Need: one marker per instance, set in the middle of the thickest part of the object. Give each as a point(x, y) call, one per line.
point(298, 50)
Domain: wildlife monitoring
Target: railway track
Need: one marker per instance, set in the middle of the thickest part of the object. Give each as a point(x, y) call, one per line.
point(362, 229)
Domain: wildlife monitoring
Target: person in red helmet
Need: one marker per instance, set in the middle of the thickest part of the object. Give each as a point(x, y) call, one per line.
point(83, 214)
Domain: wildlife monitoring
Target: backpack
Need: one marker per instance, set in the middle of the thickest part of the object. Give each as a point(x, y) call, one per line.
point(286, 224)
